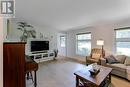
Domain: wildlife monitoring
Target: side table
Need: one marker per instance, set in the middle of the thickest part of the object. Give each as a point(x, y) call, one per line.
point(30, 66)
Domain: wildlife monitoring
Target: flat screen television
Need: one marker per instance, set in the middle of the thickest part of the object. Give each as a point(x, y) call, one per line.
point(39, 46)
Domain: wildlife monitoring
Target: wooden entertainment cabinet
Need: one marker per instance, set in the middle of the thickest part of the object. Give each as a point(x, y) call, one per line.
point(42, 56)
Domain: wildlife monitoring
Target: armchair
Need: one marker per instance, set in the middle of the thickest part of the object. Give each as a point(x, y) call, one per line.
point(95, 56)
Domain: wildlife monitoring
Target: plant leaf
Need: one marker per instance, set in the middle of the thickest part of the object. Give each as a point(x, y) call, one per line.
point(20, 29)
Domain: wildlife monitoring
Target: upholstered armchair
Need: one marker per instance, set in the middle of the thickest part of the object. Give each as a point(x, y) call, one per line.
point(95, 56)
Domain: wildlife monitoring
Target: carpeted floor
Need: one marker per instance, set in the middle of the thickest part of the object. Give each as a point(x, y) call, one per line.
point(59, 73)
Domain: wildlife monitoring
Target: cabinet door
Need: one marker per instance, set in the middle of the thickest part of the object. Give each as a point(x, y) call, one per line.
point(14, 63)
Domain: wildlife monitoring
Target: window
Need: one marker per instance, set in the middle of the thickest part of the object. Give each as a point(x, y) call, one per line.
point(123, 41)
point(83, 44)
point(62, 41)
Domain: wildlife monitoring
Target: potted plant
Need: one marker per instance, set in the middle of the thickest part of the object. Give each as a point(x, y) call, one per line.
point(27, 31)
point(55, 53)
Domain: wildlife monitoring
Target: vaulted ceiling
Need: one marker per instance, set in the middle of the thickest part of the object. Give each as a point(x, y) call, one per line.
point(67, 14)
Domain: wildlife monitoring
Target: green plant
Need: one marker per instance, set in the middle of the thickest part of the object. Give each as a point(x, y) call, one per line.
point(27, 31)
point(55, 52)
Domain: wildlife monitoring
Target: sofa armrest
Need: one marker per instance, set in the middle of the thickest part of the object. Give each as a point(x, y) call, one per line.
point(87, 56)
point(103, 61)
point(128, 69)
point(128, 72)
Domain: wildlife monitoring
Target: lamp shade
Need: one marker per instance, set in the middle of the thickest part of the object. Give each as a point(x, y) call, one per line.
point(100, 42)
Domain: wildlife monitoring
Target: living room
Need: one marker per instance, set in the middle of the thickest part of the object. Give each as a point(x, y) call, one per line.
point(69, 30)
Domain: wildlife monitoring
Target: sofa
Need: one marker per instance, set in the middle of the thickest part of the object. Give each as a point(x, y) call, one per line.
point(120, 65)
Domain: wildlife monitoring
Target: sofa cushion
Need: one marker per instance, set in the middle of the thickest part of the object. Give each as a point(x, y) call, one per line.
point(127, 61)
point(119, 67)
point(93, 60)
point(96, 56)
point(121, 58)
point(111, 59)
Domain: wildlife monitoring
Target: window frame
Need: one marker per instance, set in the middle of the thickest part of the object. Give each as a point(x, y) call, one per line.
point(88, 40)
point(120, 39)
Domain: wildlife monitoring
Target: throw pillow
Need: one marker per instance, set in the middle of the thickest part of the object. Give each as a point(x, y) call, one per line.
point(127, 61)
point(96, 56)
point(121, 58)
point(115, 61)
point(111, 59)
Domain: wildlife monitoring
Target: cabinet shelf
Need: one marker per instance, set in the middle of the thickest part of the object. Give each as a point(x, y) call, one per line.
point(41, 57)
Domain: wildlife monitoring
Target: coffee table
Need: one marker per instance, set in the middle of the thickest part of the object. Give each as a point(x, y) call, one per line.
point(85, 79)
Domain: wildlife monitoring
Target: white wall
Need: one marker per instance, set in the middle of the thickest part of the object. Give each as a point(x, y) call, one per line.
point(102, 31)
point(48, 34)
point(4, 29)
point(1, 52)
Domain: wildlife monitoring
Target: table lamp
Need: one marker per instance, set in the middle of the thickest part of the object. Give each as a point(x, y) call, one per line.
point(100, 42)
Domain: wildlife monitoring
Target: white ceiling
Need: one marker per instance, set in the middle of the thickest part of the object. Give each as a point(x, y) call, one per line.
point(68, 14)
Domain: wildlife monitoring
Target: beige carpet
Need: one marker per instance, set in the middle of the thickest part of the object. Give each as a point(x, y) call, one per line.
point(119, 82)
point(59, 73)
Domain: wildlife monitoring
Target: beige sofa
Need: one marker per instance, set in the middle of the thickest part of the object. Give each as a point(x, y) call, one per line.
point(120, 68)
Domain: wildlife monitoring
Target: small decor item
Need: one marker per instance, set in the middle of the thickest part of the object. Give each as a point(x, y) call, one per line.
point(94, 70)
point(41, 35)
point(27, 31)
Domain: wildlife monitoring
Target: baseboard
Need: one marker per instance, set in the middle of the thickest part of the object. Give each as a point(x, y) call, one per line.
point(77, 60)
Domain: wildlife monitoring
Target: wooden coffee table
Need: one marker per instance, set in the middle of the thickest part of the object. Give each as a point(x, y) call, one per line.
point(85, 79)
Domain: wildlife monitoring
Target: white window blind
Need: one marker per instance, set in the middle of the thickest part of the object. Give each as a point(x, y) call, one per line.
point(83, 44)
point(123, 41)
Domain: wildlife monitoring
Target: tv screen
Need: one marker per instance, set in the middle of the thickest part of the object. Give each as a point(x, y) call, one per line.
point(39, 45)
